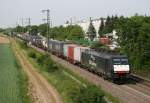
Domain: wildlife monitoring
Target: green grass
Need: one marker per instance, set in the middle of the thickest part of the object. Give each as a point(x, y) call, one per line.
point(13, 82)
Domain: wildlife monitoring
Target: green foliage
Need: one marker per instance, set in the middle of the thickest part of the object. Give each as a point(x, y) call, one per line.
point(32, 54)
point(144, 44)
point(97, 45)
point(86, 42)
point(34, 30)
point(50, 66)
point(89, 94)
point(41, 59)
point(75, 32)
point(91, 31)
point(134, 39)
point(47, 63)
point(108, 26)
point(23, 45)
point(42, 29)
point(101, 28)
point(19, 29)
point(1, 30)
point(72, 32)
point(58, 33)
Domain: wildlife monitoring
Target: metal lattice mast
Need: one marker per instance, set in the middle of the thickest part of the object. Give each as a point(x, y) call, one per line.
point(48, 25)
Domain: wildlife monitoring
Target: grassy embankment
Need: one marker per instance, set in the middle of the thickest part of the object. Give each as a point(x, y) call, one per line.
point(13, 81)
point(71, 86)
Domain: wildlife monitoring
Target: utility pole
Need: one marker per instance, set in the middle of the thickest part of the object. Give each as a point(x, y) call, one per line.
point(29, 25)
point(22, 23)
point(29, 21)
point(71, 21)
point(48, 25)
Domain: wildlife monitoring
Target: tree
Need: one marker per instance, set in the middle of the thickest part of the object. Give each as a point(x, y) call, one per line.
point(75, 33)
point(101, 28)
point(107, 20)
point(19, 29)
point(42, 29)
point(34, 30)
point(1, 30)
point(58, 33)
point(91, 31)
point(108, 25)
point(133, 38)
point(144, 45)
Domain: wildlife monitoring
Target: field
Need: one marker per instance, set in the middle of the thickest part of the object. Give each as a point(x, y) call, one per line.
point(9, 91)
point(13, 81)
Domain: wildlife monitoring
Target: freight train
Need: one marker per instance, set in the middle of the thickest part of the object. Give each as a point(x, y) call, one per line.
point(106, 64)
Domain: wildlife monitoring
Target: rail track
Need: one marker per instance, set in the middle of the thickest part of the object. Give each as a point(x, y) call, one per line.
point(140, 80)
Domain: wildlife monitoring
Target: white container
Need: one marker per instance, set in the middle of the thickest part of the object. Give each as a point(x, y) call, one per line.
point(44, 42)
point(65, 50)
point(78, 51)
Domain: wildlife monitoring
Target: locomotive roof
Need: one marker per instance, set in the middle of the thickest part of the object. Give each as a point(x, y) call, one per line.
point(56, 41)
point(104, 54)
point(35, 37)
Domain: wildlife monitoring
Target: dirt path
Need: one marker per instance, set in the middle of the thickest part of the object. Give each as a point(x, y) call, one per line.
point(40, 89)
point(4, 40)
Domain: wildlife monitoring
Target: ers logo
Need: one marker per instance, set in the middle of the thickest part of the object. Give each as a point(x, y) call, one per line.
point(92, 60)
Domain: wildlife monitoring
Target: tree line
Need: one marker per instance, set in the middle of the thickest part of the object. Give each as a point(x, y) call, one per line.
point(134, 39)
point(71, 32)
point(133, 35)
point(107, 26)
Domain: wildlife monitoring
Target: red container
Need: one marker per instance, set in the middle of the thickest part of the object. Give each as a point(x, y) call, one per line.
point(105, 41)
point(71, 53)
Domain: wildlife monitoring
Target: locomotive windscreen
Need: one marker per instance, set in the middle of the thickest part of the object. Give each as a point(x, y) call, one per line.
point(121, 65)
point(120, 61)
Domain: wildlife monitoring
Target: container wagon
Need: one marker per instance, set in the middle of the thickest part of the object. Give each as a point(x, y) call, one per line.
point(57, 48)
point(70, 53)
point(77, 53)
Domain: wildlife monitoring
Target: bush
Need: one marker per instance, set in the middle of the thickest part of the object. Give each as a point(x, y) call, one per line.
point(90, 94)
point(32, 54)
point(23, 45)
point(47, 63)
point(41, 58)
point(99, 45)
point(50, 66)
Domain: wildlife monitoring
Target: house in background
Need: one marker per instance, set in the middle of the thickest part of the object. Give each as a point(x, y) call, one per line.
point(84, 24)
point(110, 39)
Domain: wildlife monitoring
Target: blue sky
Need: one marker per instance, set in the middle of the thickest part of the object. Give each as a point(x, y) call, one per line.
point(11, 11)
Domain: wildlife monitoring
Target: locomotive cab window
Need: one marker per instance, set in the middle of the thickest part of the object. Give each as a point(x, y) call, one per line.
point(120, 61)
point(116, 61)
point(124, 61)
